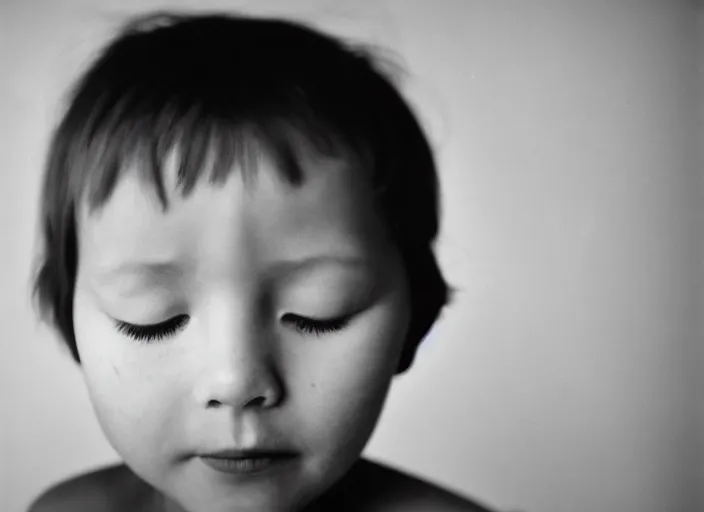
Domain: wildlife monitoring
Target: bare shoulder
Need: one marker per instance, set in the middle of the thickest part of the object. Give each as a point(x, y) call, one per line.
point(402, 491)
point(107, 489)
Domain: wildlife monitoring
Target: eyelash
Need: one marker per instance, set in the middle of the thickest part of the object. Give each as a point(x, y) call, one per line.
point(153, 332)
point(160, 331)
point(319, 327)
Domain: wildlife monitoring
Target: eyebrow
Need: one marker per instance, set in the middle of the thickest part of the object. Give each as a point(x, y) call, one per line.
point(296, 265)
point(166, 269)
point(172, 269)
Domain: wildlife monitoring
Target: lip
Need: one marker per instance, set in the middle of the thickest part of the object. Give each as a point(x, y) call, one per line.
point(247, 462)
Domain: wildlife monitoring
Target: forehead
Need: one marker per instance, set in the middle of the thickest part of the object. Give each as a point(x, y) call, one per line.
point(238, 222)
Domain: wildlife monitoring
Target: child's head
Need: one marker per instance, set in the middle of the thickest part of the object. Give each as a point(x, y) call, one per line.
point(238, 217)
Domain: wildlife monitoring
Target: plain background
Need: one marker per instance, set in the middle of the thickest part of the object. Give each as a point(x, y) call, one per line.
point(564, 378)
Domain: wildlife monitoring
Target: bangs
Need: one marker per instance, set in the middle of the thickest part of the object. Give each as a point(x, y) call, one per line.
point(218, 93)
point(204, 144)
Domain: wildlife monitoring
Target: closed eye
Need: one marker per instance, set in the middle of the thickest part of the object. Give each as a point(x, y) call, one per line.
point(148, 333)
point(318, 327)
point(152, 332)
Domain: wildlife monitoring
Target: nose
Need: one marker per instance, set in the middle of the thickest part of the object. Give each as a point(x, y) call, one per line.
point(243, 385)
point(241, 371)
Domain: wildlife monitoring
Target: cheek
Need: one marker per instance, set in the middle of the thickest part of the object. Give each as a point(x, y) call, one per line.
point(349, 375)
point(126, 384)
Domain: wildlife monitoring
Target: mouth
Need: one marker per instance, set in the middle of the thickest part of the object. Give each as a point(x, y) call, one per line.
point(247, 462)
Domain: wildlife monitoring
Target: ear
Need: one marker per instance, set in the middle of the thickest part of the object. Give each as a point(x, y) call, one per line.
point(408, 353)
point(428, 295)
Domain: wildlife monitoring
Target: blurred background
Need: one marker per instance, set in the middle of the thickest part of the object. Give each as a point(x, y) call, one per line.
point(566, 376)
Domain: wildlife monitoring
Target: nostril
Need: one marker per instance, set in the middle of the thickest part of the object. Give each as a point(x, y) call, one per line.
point(257, 402)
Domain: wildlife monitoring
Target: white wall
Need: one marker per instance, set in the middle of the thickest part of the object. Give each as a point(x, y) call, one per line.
point(700, 338)
point(563, 378)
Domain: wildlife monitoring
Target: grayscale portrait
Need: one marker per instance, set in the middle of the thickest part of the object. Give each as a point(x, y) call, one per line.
point(309, 255)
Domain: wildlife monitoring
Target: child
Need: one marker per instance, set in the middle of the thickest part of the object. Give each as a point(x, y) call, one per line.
point(238, 216)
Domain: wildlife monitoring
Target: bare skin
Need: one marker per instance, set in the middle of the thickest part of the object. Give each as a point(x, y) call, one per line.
point(369, 487)
point(238, 375)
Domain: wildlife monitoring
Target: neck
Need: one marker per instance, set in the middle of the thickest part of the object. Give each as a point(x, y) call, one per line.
point(344, 494)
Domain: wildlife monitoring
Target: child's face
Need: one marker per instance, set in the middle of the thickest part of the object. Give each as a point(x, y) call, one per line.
point(239, 375)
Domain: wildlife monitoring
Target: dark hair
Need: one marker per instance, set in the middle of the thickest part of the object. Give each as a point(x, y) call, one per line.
point(211, 84)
